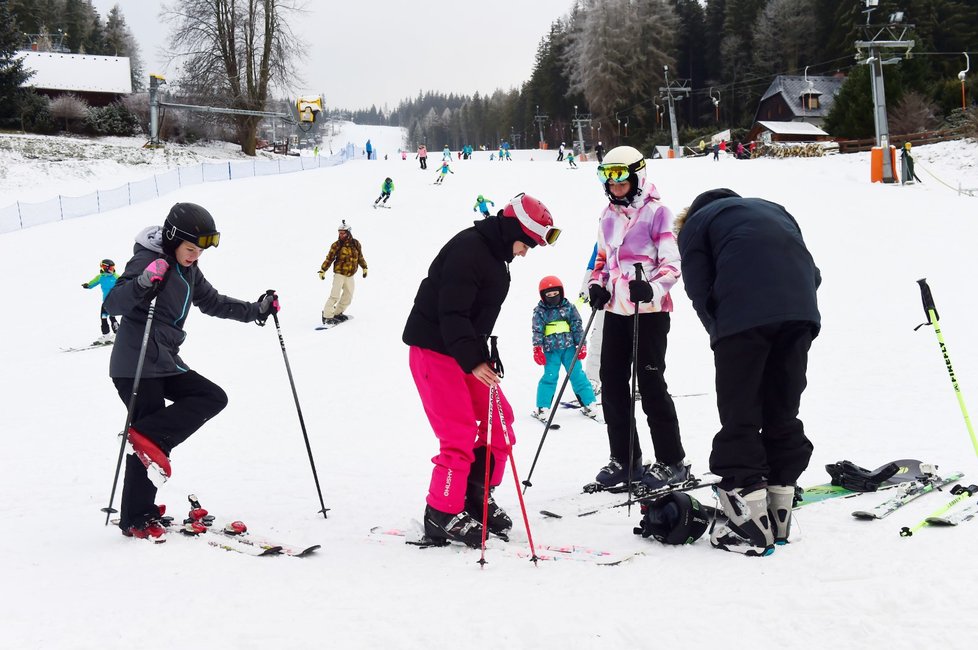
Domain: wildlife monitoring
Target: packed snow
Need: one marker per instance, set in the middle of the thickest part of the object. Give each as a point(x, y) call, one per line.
point(878, 391)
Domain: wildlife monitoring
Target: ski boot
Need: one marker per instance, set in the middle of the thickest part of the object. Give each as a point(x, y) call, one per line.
point(149, 453)
point(615, 473)
point(590, 411)
point(442, 527)
point(748, 527)
point(660, 475)
point(780, 499)
point(542, 414)
point(152, 528)
point(498, 522)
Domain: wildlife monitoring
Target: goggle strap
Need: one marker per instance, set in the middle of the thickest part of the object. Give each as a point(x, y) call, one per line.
point(543, 232)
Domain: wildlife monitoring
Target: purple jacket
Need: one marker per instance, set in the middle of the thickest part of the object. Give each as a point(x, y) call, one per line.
point(643, 234)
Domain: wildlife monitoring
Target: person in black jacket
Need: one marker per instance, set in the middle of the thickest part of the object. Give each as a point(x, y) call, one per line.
point(454, 312)
point(164, 267)
point(752, 282)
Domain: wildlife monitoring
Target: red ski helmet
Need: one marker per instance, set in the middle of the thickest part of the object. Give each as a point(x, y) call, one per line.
point(549, 283)
point(534, 218)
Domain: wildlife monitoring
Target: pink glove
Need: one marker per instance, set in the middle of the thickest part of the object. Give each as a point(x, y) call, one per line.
point(583, 352)
point(153, 273)
point(539, 356)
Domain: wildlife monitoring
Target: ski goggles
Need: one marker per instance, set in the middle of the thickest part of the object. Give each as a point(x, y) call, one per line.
point(201, 241)
point(613, 173)
point(543, 233)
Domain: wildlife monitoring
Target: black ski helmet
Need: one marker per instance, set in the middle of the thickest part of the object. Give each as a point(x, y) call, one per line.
point(106, 265)
point(190, 223)
point(675, 518)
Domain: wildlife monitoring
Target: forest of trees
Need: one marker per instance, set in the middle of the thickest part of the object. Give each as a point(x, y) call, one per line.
point(606, 57)
point(83, 28)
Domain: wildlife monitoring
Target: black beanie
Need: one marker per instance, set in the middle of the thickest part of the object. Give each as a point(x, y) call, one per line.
point(708, 197)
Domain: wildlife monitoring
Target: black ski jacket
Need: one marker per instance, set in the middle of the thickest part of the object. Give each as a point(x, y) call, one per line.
point(457, 304)
point(745, 264)
point(182, 288)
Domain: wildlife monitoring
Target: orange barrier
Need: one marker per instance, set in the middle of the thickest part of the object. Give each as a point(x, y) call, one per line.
point(876, 165)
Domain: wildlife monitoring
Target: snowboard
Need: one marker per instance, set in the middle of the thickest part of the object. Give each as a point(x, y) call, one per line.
point(909, 470)
point(329, 326)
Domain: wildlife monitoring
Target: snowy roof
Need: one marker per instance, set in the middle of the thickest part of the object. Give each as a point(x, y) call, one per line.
point(792, 87)
point(792, 128)
point(78, 72)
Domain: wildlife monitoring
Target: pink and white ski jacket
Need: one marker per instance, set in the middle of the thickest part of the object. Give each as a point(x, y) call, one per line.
point(643, 234)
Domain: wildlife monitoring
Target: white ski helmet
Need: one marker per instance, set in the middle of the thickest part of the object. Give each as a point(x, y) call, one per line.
point(634, 161)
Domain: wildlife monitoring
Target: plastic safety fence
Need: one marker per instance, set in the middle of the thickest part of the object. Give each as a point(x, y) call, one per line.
point(24, 215)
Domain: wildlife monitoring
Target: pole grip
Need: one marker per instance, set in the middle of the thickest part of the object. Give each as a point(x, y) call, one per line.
point(639, 271)
point(928, 300)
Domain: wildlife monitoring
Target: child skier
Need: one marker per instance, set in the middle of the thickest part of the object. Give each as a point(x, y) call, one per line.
point(385, 191)
point(570, 159)
point(557, 331)
point(106, 279)
point(164, 272)
point(482, 205)
point(442, 171)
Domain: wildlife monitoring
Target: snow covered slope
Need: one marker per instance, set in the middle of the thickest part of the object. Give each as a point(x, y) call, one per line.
point(877, 391)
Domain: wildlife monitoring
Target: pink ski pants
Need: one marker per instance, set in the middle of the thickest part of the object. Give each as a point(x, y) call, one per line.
point(457, 405)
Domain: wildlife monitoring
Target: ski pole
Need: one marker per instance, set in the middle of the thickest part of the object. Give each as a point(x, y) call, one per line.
point(933, 319)
point(298, 409)
point(556, 402)
point(632, 425)
point(108, 510)
point(516, 478)
point(497, 368)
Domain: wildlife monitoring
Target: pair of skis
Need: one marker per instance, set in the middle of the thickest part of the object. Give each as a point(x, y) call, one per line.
point(949, 514)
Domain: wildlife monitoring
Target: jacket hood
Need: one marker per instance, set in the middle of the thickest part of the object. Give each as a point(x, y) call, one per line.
point(500, 233)
point(151, 238)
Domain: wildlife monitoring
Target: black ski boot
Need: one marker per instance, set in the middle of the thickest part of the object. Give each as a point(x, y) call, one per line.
point(498, 522)
point(442, 527)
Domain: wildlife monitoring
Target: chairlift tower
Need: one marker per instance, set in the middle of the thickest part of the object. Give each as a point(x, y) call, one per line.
point(540, 119)
point(672, 92)
point(580, 121)
point(882, 44)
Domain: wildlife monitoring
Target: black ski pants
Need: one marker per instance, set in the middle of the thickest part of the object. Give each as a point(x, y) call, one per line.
point(195, 400)
point(760, 376)
point(424, 163)
point(616, 376)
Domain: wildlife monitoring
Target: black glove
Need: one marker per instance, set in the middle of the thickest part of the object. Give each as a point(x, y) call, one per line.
point(267, 305)
point(640, 291)
point(599, 296)
point(84, 285)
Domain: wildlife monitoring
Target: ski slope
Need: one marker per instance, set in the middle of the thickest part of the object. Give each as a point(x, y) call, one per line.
point(877, 391)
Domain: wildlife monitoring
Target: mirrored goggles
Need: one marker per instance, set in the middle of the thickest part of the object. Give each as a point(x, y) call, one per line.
point(201, 241)
point(614, 173)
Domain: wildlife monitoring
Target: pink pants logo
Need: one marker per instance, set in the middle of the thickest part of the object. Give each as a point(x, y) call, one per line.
point(448, 484)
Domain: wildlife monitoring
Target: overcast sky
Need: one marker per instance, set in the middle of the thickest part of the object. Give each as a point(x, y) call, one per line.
point(383, 51)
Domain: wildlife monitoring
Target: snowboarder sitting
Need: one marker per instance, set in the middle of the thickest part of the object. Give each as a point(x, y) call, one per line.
point(482, 205)
point(106, 280)
point(345, 255)
point(442, 172)
point(164, 272)
point(557, 331)
point(385, 191)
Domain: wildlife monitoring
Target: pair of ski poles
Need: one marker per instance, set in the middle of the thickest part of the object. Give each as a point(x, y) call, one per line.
point(495, 402)
point(109, 510)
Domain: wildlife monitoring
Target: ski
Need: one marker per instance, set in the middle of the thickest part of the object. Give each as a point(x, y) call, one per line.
point(93, 346)
point(378, 205)
point(640, 495)
point(961, 494)
point(175, 530)
point(957, 516)
point(544, 552)
point(227, 531)
point(199, 520)
point(553, 425)
point(908, 492)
